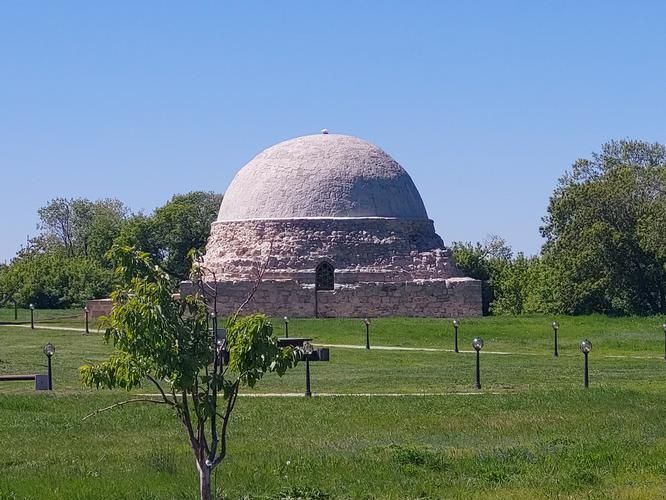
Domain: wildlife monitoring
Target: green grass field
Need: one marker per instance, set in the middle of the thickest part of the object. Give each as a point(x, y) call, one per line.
point(531, 432)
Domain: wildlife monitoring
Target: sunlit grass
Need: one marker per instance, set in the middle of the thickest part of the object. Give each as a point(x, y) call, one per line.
point(531, 432)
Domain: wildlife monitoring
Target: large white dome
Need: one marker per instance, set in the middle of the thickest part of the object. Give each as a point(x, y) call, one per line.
point(324, 175)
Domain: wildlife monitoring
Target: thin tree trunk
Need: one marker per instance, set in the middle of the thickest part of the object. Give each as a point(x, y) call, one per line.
point(204, 482)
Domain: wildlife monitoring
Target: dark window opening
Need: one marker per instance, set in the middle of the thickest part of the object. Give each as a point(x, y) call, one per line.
point(324, 276)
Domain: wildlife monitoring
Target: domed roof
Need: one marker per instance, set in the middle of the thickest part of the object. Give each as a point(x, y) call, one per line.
point(323, 175)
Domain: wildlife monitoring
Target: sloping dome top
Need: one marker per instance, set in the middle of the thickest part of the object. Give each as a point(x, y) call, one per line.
point(324, 175)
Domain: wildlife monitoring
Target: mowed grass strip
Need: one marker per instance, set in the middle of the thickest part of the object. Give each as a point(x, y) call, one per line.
point(602, 443)
point(531, 432)
point(638, 361)
point(62, 317)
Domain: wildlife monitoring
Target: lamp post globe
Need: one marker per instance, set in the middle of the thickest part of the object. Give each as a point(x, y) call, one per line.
point(32, 307)
point(87, 311)
point(49, 349)
point(585, 348)
point(220, 337)
point(307, 350)
point(556, 327)
point(477, 344)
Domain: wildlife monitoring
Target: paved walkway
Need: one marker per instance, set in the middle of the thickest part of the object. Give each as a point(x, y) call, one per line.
point(372, 347)
point(44, 327)
point(355, 395)
point(336, 346)
point(419, 349)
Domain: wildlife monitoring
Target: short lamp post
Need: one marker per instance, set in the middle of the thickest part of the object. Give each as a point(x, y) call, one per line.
point(664, 327)
point(367, 333)
point(87, 311)
point(213, 320)
point(220, 351)
point(49, 350)
point(15, 310)
point(456, 324)
point(556, 327)
point(585, 348)
point(286, 327)
point(477, 344)
point(307, 351)
point(32, 316)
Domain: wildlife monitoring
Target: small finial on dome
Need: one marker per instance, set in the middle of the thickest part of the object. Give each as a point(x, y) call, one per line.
point(324, 131)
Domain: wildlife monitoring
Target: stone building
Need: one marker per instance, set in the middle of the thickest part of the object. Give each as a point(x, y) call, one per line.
point(340, 230)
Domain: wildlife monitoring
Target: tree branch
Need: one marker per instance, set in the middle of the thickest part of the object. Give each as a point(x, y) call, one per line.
point(159, 388)
point(231, 402)
point(123, 403)
point(187, 422)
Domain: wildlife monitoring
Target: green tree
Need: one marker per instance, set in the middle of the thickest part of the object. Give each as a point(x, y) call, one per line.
point(166, 342)
point(173, 230)
point(597, 228)
point(80, 227)
point(483, 261)
point(511, 286)
point(53, 280)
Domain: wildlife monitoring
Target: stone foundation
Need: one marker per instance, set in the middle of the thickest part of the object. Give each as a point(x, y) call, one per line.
point(383, 267)
point(382, 248)
point(454, 297)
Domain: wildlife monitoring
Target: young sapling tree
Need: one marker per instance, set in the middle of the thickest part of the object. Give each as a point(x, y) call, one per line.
point(166, 341)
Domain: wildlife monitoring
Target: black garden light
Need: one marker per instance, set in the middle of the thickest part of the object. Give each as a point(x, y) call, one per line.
point(307, 351)
point(477, 344)
point(87, 311)
point(456, 324)
point(664, 327)
point(219, 337)
point(556, 327)
point(585, 348)
point(286, 327)
point(49, 350)
point(32, 316)
point(367, 333)
point(221, 351)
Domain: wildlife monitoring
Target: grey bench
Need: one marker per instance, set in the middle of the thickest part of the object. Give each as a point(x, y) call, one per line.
point(41, 381)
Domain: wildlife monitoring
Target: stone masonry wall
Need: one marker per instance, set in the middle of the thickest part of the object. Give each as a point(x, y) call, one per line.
point(395, 249)
point(456, 297)
point(99, 307)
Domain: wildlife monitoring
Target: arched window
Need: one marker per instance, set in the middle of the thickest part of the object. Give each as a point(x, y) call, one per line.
point(324, 276)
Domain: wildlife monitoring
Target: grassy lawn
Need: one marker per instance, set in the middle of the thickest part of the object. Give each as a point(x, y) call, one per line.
point(51, 317)
point(531, 432)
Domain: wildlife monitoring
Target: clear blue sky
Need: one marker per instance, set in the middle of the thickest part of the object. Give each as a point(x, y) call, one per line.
point(484, 103)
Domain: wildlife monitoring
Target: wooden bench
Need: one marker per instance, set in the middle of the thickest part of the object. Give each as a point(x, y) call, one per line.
point(41, 381)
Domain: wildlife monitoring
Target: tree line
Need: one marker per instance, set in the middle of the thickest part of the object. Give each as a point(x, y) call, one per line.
point(604, 249)
point(67, 263)
point(605, 242)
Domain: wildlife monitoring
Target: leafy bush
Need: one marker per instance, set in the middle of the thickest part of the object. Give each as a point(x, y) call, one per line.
point(52, 280)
